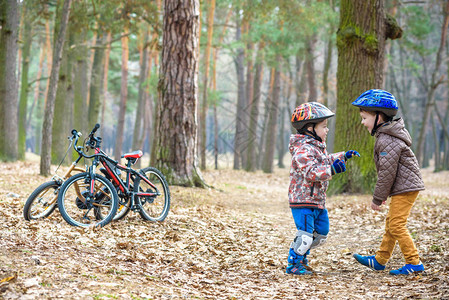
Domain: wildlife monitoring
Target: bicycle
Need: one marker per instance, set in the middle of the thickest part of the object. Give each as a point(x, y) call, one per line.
point(43, 200)
point(145, 191)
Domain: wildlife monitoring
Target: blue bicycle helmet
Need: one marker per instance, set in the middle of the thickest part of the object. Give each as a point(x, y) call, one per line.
point(377, 100)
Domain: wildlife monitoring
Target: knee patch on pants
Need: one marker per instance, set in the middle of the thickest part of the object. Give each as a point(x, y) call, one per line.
point(318, 240)
point(302, 242)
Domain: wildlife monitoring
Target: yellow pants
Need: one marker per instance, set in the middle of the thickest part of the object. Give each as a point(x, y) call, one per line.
point(396, 230)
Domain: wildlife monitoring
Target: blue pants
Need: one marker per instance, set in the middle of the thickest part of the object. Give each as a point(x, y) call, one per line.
point(310, 220)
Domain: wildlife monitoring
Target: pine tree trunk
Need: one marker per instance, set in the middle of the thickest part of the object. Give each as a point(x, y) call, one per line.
point(36, 94)
point(96, 82)
point(63, 111)
point(139, 124)
point(205, 106)
point(301, 81)
point(123, 96)
point(430, 102)
point(254, 117)
point(248, 96)
point(263, 135)
point(50, 104)
point(176, 130)
point(270, 144)
point(80, 82)
point(24, 87)
point(104, 95)
point(239, 138)
point(310, 66)
point(9, 22)
point(361, 44)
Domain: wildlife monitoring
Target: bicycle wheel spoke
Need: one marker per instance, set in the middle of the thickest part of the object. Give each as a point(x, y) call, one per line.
point(153, 196)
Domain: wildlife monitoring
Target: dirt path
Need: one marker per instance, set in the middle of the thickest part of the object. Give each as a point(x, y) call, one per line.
point(226, 243)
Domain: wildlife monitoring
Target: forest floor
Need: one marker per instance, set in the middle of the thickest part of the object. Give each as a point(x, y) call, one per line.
point(229, 242)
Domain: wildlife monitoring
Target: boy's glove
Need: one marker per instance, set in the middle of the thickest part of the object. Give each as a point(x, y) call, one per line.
point(351, 153)
point(338, 166)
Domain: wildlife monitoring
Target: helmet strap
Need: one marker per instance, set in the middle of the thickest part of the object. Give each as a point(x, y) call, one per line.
point(313, 133)
point(376, 126)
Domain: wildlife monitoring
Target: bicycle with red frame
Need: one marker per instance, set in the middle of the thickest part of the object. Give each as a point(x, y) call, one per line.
point(90, 199)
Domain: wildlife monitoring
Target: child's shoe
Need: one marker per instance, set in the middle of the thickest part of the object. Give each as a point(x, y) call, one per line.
point(369, 261)
point(297, 269)
point(408, 269)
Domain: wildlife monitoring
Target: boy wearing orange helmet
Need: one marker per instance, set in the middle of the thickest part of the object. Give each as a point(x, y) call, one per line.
point(311, 169)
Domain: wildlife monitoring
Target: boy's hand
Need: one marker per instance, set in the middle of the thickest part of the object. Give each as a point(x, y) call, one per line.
point(338, 166)
point(377, 207)
point(351, 153)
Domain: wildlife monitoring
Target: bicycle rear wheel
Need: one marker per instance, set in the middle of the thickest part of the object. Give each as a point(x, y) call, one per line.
point(42, 201)
point(79, 210)
point(156, 206)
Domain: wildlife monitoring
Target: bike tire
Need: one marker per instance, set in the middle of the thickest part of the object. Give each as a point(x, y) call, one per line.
point(42, 201)
point(123, 210)
point(71, 206)
point(153, 208)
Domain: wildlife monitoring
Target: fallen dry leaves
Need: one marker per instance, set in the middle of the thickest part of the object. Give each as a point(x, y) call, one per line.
point(229, 242)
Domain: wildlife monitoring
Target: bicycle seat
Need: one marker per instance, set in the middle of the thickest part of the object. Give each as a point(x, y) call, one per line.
point(134, 154)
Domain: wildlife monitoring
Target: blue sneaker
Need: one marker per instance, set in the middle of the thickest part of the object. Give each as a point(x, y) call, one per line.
point(369, 261)
point(408, 269)
point(297, 269)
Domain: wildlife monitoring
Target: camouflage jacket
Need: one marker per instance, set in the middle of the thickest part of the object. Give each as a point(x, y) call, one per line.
point(310, 171)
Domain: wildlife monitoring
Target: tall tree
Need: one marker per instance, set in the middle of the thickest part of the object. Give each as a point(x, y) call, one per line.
point(9, 22)
point(24, 87)
point(176, 130)
point(205, 106)
point(96, 81)
point(361, 38)
point(123, 94)
point(273, 113)
point(50, 104)
point(433, 84)
point(239, 60)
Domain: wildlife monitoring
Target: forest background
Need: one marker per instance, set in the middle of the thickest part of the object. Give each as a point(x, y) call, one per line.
point(257, 60)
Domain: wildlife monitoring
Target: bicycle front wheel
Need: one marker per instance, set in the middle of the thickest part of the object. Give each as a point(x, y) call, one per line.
point(80, 209)
point(42, 201)
point(154, 200)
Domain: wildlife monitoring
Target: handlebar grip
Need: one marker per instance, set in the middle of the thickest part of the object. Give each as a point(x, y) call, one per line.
point(74, 132)
point(96, 128)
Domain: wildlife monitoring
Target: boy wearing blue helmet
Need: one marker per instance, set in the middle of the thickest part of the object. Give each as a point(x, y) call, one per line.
point(398, 176)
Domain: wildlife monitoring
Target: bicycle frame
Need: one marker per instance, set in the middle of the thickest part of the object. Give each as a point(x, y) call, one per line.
point(124, 186)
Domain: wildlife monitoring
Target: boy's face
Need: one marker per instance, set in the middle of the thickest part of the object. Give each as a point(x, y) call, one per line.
point(322, 130)
point(368, 120)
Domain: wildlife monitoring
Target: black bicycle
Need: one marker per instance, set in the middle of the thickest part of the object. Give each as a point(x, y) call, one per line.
point(88, 198)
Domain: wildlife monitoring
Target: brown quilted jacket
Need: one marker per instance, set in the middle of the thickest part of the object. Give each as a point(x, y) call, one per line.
point(397, 167)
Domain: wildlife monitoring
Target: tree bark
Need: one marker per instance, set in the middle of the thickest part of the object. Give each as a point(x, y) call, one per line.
point(104, 96)
point(139, 124)
point(49, 107)
point(270, 144)
point(63, 110)
point(123, 96)
point(310, 65)
point(239, 60)
point(434, 82)
point(205, 106)
point(24, 87)
point(96, 82)
point(361, 45)
point(176, 130)
point(254, 117)
point(9, 22)
point(80, 81)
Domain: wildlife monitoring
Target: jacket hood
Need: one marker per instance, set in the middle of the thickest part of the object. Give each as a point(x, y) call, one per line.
point(397, 129)
point(296, 140)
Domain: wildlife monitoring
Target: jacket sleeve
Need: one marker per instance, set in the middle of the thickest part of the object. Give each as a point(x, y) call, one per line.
point(388, 151)
point(338, 155)
point(313, 170)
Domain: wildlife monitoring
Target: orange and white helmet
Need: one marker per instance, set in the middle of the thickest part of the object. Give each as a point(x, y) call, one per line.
point(310, 112)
